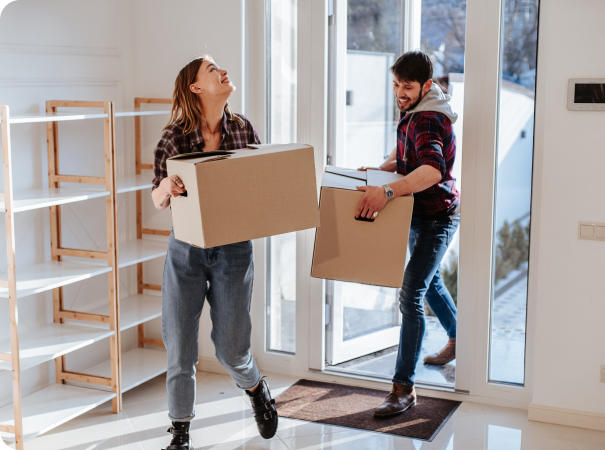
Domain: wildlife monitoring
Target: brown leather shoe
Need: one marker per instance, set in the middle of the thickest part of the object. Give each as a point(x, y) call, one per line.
point(443, 356)
point(401, 398)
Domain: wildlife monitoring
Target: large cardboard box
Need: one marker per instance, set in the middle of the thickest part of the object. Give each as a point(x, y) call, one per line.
point(244, 194)
point(357, 251)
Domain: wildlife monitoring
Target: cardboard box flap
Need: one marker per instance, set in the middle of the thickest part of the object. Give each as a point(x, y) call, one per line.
point(200, 157)
point(268, 149)
point(379, 177)
point(351, 173)
point(260, 146)
point(333, 180)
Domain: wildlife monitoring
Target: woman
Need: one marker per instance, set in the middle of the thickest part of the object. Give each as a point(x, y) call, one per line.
point(201, 121)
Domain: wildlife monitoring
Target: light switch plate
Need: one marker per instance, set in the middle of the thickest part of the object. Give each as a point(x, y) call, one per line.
point(591, 231)
point(602, 374)
point(586, 230)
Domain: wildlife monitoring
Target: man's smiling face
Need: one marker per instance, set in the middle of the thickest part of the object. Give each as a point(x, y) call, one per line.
point(409, 93)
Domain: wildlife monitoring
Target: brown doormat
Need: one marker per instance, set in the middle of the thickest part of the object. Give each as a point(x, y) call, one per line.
point(353, 407)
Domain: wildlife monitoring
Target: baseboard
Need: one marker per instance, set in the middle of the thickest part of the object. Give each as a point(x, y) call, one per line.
point(569, 417)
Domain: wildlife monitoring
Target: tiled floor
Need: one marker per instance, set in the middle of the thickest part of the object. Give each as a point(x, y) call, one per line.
point(224, 422)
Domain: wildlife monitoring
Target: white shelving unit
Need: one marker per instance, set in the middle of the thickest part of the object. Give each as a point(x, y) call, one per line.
point(51, 341)
point(140, 364)
point(51, 407)
point(41, 411)
point(53, 274)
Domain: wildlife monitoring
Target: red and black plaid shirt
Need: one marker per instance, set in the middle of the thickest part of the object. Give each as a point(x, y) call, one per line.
point(174, 142)
point(431, 142)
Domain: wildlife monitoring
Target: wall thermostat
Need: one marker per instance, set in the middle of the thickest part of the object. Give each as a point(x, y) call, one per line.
point(586, 94)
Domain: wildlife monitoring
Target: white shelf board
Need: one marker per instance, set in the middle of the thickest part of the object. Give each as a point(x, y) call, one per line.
point(138, 366)
point(53, 274)
point(139, 250)
point(135, 310)
point(132, 183)
point(43, 344)
point(142, 112)
point(43, 198)
point(55, 117)
point(51, 407)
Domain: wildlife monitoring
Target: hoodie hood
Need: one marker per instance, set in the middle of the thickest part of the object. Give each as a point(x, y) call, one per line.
point(436, 101)
point(433, 101)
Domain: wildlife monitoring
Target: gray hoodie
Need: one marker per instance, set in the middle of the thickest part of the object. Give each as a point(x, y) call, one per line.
point(434, 101)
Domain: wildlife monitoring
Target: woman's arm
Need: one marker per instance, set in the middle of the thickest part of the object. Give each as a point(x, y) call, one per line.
point(169, 187)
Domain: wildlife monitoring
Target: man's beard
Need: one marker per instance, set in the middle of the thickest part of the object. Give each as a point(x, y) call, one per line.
point(416, 103)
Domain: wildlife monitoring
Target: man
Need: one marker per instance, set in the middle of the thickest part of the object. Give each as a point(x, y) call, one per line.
point(425, 152)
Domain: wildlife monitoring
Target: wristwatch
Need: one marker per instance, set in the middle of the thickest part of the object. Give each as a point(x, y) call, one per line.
point(388, 192)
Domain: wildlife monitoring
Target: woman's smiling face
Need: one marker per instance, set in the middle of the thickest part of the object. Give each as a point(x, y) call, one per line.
point(212, 81)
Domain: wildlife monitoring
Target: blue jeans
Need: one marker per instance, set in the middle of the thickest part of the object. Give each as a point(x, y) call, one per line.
point(428, 243)
point(223, 276)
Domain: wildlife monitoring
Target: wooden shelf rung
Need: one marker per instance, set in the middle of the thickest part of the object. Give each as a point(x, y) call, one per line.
point(88, 317)
point(74, 104)
point(77, 179)
point(150, 341)
point(62, 251)
point(152, 287)
point(85, 378)
point(7, 428)
point(155, 232)
point(6, 357)
point(147, 166)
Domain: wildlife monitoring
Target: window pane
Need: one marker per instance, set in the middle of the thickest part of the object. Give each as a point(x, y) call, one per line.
point(373, 43)
point(513, 190)
point(281, 250)
point(367, 308)
point(281, 298)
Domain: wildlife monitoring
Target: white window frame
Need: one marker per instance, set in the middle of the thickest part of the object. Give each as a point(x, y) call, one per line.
point(482, 69)
point(311, 129)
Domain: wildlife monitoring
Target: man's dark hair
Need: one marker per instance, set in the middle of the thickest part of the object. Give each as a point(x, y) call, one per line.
point(413, 66)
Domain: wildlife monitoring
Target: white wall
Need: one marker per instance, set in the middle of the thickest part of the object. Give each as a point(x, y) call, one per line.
point(110, 50)
point(569, 289)
point(168, 35)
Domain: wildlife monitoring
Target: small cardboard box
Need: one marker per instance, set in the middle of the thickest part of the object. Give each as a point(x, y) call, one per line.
point(244, 194)
point(357, 251)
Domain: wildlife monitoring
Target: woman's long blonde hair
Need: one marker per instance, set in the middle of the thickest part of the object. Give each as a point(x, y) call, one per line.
point(187, 109)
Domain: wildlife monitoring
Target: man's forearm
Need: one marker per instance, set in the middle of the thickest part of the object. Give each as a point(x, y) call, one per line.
point(420, 179)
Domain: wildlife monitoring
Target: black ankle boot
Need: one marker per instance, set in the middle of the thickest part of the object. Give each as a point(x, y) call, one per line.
point(180, 436)
point(264, 410)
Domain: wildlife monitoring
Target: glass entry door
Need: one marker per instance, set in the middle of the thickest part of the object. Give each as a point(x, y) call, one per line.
point(364, 323)
point(363, 320)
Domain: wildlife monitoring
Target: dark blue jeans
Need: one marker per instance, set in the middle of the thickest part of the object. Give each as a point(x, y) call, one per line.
point(428, 243)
